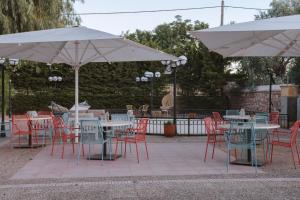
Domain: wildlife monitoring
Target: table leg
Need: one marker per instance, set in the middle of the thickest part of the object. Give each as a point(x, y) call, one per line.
point(105, 155)
point(104, 145)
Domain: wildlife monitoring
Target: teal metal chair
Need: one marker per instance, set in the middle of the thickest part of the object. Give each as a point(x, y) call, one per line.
point(120, 131)
point(262, 135)
point(238, 138)
point(232, 112)
point(91, 133)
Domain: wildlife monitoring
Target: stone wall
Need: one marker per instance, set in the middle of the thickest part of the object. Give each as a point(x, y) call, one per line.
point(256, 100)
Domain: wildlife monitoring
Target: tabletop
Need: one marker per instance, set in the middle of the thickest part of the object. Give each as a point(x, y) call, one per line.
point(116, 123)
point(34, 118)
point(237, 117)
point(256, 126)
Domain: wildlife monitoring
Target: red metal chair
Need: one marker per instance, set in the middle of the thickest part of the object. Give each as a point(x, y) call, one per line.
point(218, 120)
point(135, 135)
point(62, 132)
point(286, 139)
point(21, 127)
point(211, 135)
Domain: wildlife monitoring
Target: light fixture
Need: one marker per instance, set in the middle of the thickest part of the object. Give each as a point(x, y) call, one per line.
point(148, 74)
point(157, 74)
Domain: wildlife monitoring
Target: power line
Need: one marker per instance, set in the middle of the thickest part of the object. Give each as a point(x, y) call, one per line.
point(167, 10)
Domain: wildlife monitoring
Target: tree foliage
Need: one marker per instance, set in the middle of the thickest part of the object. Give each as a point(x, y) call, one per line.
point(257, 68)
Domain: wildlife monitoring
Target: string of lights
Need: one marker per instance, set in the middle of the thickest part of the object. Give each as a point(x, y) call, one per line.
point(167, 10)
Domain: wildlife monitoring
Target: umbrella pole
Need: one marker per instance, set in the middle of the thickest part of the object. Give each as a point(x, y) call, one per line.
point(76, 68)
point(76, 102)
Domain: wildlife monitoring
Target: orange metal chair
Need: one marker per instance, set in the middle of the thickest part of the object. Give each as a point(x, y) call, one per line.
point(218, 120)
point(62, 132)
point(135, 135)
point(290, 140)
point(21, 127)
point(211, 135)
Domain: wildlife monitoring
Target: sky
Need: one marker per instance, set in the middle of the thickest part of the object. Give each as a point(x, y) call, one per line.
point(117, 24)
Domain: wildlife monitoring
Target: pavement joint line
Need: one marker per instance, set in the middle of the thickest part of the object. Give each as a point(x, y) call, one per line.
point(112, 182)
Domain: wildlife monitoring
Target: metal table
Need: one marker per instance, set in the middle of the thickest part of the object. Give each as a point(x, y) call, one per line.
point(106, 126)
point(257, 126)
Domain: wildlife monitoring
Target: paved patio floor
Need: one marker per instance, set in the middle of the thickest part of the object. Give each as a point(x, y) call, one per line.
point(165, 159)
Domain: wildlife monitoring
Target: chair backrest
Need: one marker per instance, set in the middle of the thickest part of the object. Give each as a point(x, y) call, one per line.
point(261, 119)
point(20, 123)
point(142, 126)
point(119, 117)
point(274, 117)
point(294, 132)
point(232, 112)
point(57, 121)
point(65, 117)
point(209, 126)
point(91, 131)
point(217, 117)
point(32, 113)
point(44, 112)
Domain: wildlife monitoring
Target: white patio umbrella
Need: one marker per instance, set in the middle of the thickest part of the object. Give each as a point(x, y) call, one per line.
point(75, 46)
point(269, 37)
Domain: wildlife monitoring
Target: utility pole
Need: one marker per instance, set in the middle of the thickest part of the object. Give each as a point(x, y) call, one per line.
point(222, 12)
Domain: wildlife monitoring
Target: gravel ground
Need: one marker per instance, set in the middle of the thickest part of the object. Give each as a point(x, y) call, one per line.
point(281, 181)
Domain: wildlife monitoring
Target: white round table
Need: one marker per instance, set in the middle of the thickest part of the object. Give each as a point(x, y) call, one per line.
point(257, 126)
point(237, 117)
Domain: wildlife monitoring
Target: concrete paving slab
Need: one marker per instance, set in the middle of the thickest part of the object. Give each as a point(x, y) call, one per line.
point(167, 159)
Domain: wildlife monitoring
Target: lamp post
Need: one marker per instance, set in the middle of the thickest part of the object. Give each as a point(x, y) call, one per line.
point(2, 61)
point(12, 62)
point(172, 66)
point(55, 80)
point(151, 76)
point(2, 66)
point(144, 79)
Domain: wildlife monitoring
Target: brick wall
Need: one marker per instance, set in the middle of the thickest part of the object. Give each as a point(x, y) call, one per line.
point(256, 100)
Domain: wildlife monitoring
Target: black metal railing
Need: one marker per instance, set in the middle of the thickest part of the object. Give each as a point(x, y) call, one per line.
point(191, 126)
point(189, 121)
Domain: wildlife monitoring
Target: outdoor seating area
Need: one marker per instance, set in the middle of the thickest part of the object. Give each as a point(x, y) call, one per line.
point(155, 108)
point(238, 138)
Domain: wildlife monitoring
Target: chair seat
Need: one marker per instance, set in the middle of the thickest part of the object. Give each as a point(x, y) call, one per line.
point(281, 143)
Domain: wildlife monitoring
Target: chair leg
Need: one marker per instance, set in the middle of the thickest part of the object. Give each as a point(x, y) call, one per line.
point(293, 156)
point(116, 150)
point(271, 153)
point(83, 149)
point(110, 149)
point(63, 149)
point(73, 148)
point(298, 154)
point(137, 152)
point(206, 151)
point(125, 149)
point(228, 159)
point(79, 149)
point(146, 150)
point(213, 153)
point(53, 142)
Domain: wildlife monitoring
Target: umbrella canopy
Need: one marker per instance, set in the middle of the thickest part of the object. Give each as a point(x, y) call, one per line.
point(76, 46)
point(269, 37)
